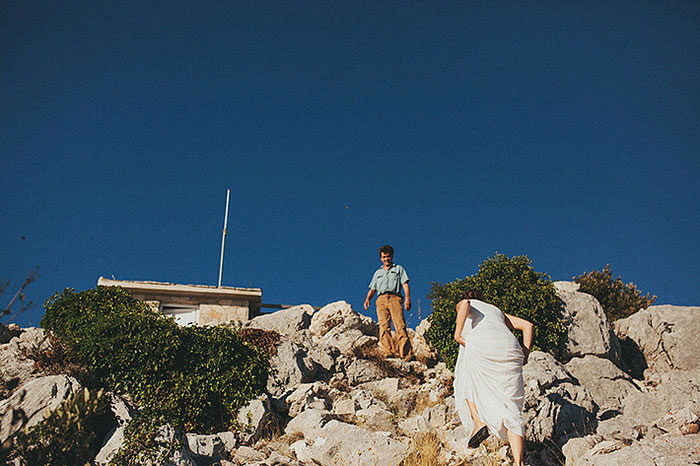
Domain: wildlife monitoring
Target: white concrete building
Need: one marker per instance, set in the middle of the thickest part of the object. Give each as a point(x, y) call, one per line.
point(195, 304)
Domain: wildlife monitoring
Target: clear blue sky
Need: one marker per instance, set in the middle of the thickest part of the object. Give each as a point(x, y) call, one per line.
point(567, 131)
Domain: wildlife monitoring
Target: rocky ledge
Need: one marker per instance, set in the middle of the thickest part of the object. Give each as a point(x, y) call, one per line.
point(627, 393)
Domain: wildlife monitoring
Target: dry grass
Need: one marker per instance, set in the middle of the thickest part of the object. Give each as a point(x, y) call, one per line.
point(278, 441)
point(426, 450)
point(373, 354)
point(57, 358)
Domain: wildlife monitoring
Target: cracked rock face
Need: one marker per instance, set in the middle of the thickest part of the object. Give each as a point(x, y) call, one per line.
point(665, 337)
point(607, 384)
point(588, 328)
point(31, 403)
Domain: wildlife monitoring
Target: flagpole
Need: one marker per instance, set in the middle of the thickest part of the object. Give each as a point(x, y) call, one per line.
point(223, 238)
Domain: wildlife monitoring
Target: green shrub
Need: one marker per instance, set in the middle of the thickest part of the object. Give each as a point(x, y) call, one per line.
point(513, 286)
point(618, 299)
point(195, 378)
point(71, 434)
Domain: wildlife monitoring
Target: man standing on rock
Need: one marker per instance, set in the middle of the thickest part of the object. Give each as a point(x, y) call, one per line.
point(387, 282)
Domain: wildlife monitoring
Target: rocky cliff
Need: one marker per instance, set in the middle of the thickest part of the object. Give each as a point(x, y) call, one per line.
point(627, 393)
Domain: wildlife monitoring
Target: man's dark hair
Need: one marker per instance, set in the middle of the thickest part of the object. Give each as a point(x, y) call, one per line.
point(386, 249)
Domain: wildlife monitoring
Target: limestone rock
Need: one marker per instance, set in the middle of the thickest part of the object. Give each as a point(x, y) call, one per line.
point(607, 384)
point(588, 328)
point(414, 425)
point(308, 422)
point(555, 406)
point(317, 395)
point(678, 421)
point(257, 418)
point(247, 455)
point(170, 456)
point(662, 338)
point(421, 348)
point(668, 450)
point(386, 388)
point(339, 314)
point(576, 447)
point(339, 326)
point(211, 449)
point(345, 407)
point(358, 371)
point(288, 322)
point(16, 367)
point(289, 367)
point(332, 447)
point(641, 410)
point(29, 403)
point(376, 419)
point(123, 413)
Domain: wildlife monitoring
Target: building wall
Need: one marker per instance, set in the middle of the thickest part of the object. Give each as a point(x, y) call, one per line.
point(225, 311)
point(214, 314)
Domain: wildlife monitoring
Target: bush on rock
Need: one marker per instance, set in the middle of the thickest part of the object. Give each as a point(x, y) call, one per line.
point(195, 378)
point(512, 285)
point(69, 435)
point(619, 300)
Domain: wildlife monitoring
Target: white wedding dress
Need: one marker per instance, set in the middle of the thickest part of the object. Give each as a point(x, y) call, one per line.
point(489, 372)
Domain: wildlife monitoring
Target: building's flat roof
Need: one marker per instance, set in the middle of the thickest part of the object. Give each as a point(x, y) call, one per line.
point(176, 289)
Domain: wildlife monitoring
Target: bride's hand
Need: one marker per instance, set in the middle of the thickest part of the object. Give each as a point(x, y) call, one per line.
point(461, 341)
point(526, 354)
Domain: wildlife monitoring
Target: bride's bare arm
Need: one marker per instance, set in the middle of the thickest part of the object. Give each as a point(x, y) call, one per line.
point(463, 308)
point(524, 326)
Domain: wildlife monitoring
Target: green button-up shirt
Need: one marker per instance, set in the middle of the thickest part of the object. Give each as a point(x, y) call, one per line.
point(389, 281)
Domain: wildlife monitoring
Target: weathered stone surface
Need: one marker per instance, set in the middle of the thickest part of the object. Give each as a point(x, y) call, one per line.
point(123, 413)
point(414, 425)
point(289, 367)
point(677, 422)
point(665, 336)
point(332, 447)
point(16, 367)
point(588, 328)
point(576, 447)
point(675, 391)
point(248, 455)
point(211, 449)
point(323, 358)
point(555, 406)
point(607, 384)
point(317, 395)
point(308, 422)
point(421, 348)
point(386, 387)
point(667, 450)
point(257, 418)
point(376, 419)
point(340, 315)
point(289, 322)
point(457, 441)
point(169, 456)
point(29, 403)
point(358, 371)
point(439, 416)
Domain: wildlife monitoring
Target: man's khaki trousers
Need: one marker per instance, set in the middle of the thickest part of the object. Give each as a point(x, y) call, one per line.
point(390, 308)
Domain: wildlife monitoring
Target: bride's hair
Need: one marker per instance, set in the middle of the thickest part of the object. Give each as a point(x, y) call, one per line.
point(472, 294)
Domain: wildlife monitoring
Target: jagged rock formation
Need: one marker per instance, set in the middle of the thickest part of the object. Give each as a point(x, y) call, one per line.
point(627, 393)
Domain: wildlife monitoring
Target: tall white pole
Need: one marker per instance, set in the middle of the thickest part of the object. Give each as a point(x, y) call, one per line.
point(223, 238)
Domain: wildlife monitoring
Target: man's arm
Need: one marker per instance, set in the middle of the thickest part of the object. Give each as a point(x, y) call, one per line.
point(407, 299)
point(370, 294)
